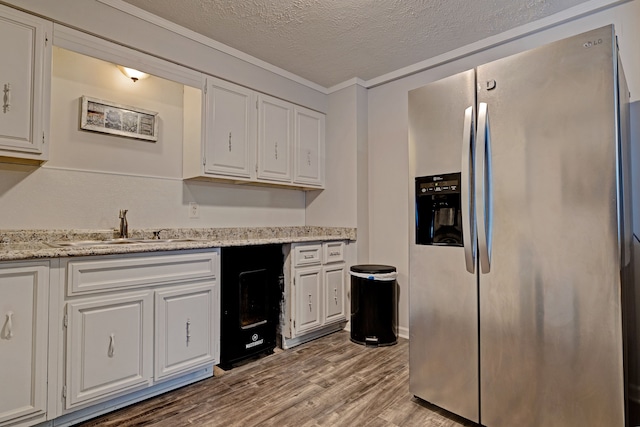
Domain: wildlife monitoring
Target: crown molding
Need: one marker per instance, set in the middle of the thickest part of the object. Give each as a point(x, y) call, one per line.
point(192, 35)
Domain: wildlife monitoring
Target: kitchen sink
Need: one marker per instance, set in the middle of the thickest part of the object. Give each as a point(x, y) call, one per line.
point(109, 242)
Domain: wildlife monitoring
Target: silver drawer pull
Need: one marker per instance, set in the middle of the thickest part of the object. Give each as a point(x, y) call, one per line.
point(308, 256)
point(188, 331)
point(310, 306)
point(7, 98)
point(112, 345)
point(10, 325)
point(334, 253)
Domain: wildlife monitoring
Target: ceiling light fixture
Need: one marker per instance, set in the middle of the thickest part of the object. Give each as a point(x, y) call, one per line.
point(134, 75)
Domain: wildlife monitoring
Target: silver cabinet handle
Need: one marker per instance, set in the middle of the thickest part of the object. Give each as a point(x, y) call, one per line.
point(6, 101)
point(9, 325)
point(308, 256)
point(310, 306)
point(276, 150)
point(229, 141)
point(188, 331)
point(335, 295)
point(112, 345)
point(483, 180)
point(467, 192)
point(309, 157)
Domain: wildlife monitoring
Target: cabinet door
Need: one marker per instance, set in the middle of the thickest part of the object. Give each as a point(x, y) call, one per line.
point(309, 147)
point(229, 134)
point(187, 328)
point(23, 340)
point(275, 135)
point(334, 292)
point(24, 84)
point(308, 290)
point(109, 346)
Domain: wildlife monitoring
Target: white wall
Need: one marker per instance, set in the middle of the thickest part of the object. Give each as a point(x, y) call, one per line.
point(389, 208)
point(345, 200)
point(90, 176)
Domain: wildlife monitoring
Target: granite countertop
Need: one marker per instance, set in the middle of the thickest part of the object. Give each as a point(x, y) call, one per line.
point(34, 244)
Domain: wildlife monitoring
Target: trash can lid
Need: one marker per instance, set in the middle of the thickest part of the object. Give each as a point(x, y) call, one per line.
point(372, 268)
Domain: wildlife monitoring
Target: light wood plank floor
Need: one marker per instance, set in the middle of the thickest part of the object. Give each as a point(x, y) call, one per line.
point(328, 382)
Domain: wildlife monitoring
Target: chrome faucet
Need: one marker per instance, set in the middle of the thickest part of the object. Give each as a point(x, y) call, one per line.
point(124, 227)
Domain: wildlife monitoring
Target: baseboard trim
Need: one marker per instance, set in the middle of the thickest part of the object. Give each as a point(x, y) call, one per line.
point(288, 343)
point(111, 405)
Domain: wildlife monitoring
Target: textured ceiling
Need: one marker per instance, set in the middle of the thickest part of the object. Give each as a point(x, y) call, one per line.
point(331, 41)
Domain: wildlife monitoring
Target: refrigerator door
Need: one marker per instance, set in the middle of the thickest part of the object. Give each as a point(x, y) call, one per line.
point(550, 306)
point(443, 316)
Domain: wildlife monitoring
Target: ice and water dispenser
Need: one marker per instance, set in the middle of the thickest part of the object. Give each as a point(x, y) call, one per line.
point(438, 214)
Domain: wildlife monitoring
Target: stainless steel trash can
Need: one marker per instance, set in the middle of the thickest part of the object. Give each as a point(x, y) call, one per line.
point(373, 304)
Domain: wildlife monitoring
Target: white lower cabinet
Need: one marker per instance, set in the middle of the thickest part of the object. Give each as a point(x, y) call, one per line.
point(308, 296)
point(109, 346)
point(137, 325)
point(315, 293)
point(185, 328)
point(334, 284)
point(24, 292)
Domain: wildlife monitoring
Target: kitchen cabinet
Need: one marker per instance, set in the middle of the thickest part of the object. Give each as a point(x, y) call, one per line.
point(308, 297)
point(309, 147)
point(109, 346)
point(135, 322)
point(185, 328)
point(229, 129)
point(25, 81)
point(253, 138)
point(275, 139)
point(314, 292)
point(24, 292)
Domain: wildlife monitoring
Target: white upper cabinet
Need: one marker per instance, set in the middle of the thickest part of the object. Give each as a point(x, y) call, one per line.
point(275, 136)
point(249, 137)
point(25, 80)
point(229, 129)
point(309, 147)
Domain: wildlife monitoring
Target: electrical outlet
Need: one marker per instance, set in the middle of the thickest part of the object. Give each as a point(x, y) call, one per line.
point(194, 210)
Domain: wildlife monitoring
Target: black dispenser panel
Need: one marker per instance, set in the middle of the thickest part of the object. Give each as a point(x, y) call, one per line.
point(438, 214)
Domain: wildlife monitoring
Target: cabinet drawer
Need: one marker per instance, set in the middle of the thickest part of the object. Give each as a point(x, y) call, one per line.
point(100, 274)
point(332, 252)
point(307, 254)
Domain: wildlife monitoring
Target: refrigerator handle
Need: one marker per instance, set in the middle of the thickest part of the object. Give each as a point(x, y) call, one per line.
point(466, 192)
point(483, 185)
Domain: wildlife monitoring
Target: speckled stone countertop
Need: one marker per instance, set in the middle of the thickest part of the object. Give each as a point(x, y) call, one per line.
point(33, 244)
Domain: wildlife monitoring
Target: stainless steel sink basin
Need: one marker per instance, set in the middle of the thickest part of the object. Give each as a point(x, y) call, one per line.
point(89, 243)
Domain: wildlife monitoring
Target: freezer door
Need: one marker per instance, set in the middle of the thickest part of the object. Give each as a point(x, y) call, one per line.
point(550, 305)
point(443, 316)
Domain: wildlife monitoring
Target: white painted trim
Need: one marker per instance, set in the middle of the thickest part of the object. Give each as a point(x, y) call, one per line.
point(403, 332)
point(351, 82)
point(192, 35)
point(77, 41)
point(567, 15)
point(99, 172)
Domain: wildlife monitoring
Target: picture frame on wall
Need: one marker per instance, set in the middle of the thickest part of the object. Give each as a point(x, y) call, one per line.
point(98, 115)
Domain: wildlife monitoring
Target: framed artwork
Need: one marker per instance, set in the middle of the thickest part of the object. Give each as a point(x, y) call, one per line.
point(103, 116)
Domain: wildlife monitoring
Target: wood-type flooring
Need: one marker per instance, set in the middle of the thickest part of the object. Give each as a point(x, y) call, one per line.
point(327, 382)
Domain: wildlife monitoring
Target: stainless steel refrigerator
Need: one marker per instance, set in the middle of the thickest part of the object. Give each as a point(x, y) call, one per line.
point(520, 243)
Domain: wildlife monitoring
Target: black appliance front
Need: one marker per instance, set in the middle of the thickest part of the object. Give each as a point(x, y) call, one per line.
point(251, 289)
point(438, 213)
